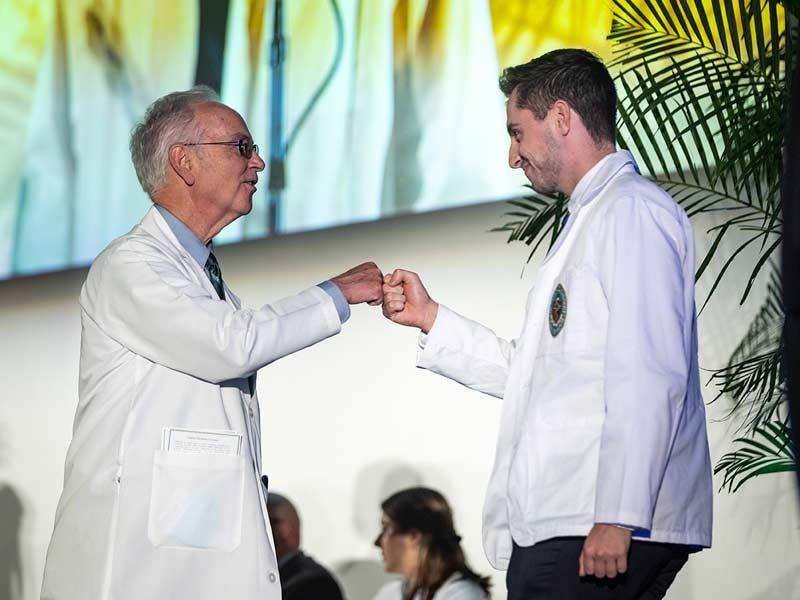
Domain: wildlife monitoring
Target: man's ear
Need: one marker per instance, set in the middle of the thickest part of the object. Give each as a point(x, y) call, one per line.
point(562, 115)
point(181, 162)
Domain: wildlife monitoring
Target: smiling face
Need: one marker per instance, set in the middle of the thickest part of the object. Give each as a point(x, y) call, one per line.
point(226, 180)
point(534, 147)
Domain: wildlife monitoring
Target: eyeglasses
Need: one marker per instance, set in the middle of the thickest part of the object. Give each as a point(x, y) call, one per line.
point(387, 529)
point(245, 146)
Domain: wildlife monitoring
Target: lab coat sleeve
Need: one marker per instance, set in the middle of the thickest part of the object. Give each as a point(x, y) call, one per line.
point(149, 305)
point(467, 352)
point(642, 250)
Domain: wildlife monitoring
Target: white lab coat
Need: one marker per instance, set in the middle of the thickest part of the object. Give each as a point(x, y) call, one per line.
point(603, 422)
point(455, 588)
point(158, 349)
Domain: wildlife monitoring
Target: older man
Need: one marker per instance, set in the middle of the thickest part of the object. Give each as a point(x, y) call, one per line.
point(302, 578)
point(602, 437)
point(162, 493)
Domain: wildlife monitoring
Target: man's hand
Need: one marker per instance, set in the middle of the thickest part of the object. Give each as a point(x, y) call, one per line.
point(361, 284)
point(406, 301)
point(605, 551)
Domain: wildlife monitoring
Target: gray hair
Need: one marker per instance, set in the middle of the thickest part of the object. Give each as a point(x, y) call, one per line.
point(167, 121)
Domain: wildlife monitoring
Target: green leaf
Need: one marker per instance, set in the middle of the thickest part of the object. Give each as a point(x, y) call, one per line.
point(754, 378)
point(698, 115)
point(765, 256)
point(541, 218)
point(768, 450)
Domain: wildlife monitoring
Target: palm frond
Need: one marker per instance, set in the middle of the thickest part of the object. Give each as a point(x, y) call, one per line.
point(754, 379)
point(702, 104)
point(747, 222)
point(696, 199)
point(539, 217)
point(769, 450)
point(746, 32)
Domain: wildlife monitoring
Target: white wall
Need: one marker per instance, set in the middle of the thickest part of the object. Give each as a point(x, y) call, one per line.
point(350, 420)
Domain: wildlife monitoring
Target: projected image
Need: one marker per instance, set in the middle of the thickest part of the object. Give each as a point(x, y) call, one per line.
point(362, 109)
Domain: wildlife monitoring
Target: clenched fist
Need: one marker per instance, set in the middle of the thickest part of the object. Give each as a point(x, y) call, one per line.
point(605, 551)
point(361, 284)
point(406, 301)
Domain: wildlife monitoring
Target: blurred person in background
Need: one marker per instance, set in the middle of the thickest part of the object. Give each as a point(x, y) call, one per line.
point(418, 541)
point(302, 578)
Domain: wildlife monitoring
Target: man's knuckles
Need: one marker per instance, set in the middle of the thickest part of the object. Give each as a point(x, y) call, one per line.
point(605, 555)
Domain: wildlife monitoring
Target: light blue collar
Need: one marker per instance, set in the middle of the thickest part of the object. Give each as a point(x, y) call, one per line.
point(186, 238)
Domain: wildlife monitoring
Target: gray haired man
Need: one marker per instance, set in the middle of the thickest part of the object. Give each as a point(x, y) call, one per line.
point(162, 492)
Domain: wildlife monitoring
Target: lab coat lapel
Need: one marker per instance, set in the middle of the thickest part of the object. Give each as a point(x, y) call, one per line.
point(154, 223)
point(556, 261)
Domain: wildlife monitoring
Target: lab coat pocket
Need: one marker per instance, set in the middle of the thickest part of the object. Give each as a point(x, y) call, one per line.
point(563, 474)
point(196, 501)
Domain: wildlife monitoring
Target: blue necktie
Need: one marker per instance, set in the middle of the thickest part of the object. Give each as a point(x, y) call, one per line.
point(214, 274)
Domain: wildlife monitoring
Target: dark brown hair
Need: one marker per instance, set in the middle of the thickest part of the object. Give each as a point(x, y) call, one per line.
point(425, 511)
point(575, 76)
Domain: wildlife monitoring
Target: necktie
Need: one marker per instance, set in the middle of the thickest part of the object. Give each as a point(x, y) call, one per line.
point(214, 274)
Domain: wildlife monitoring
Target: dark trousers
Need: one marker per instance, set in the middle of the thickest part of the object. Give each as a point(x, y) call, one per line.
point(549, 570)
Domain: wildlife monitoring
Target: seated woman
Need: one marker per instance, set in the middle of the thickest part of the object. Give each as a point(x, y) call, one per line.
point(418, 541)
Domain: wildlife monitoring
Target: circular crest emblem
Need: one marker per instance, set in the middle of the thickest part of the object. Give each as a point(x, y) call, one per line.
point(558, 310)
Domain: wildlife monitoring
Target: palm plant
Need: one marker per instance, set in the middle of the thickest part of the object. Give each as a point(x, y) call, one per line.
point(703, 96)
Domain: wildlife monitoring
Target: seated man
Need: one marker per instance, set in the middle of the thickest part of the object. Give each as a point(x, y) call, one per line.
point(302, 578)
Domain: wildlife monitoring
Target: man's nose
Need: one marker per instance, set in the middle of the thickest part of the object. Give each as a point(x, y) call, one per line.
point(256, 162)
point(514, 160)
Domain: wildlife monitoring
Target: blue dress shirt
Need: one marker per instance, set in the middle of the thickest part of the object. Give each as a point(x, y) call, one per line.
point(199, 251)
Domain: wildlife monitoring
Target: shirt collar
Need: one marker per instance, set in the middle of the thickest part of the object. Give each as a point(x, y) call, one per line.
point(597, 177)
point(196, 249)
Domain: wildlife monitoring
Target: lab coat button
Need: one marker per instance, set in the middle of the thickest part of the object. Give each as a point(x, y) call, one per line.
point(250, 411)
point(272, 577)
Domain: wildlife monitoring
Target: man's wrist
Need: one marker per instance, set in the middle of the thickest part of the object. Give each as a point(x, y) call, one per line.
point(339, 300)
point(618, 526)
point(430, 318)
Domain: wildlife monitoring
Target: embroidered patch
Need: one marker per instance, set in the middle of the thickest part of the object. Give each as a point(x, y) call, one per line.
point(558, 310)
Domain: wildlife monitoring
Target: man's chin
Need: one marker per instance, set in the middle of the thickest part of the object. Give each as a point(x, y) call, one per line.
point(247, 207)
point(542, 188)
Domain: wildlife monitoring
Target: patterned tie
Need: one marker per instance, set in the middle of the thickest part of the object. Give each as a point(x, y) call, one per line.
point(214, 274)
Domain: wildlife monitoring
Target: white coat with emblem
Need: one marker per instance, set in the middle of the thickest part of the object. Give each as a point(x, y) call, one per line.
point(602, 419)
point(159, 349)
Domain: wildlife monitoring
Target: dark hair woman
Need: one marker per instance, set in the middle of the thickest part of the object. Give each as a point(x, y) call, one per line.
point(418, 541)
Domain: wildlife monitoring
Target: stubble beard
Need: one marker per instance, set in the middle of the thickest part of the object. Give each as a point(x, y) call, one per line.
point(549, 169)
